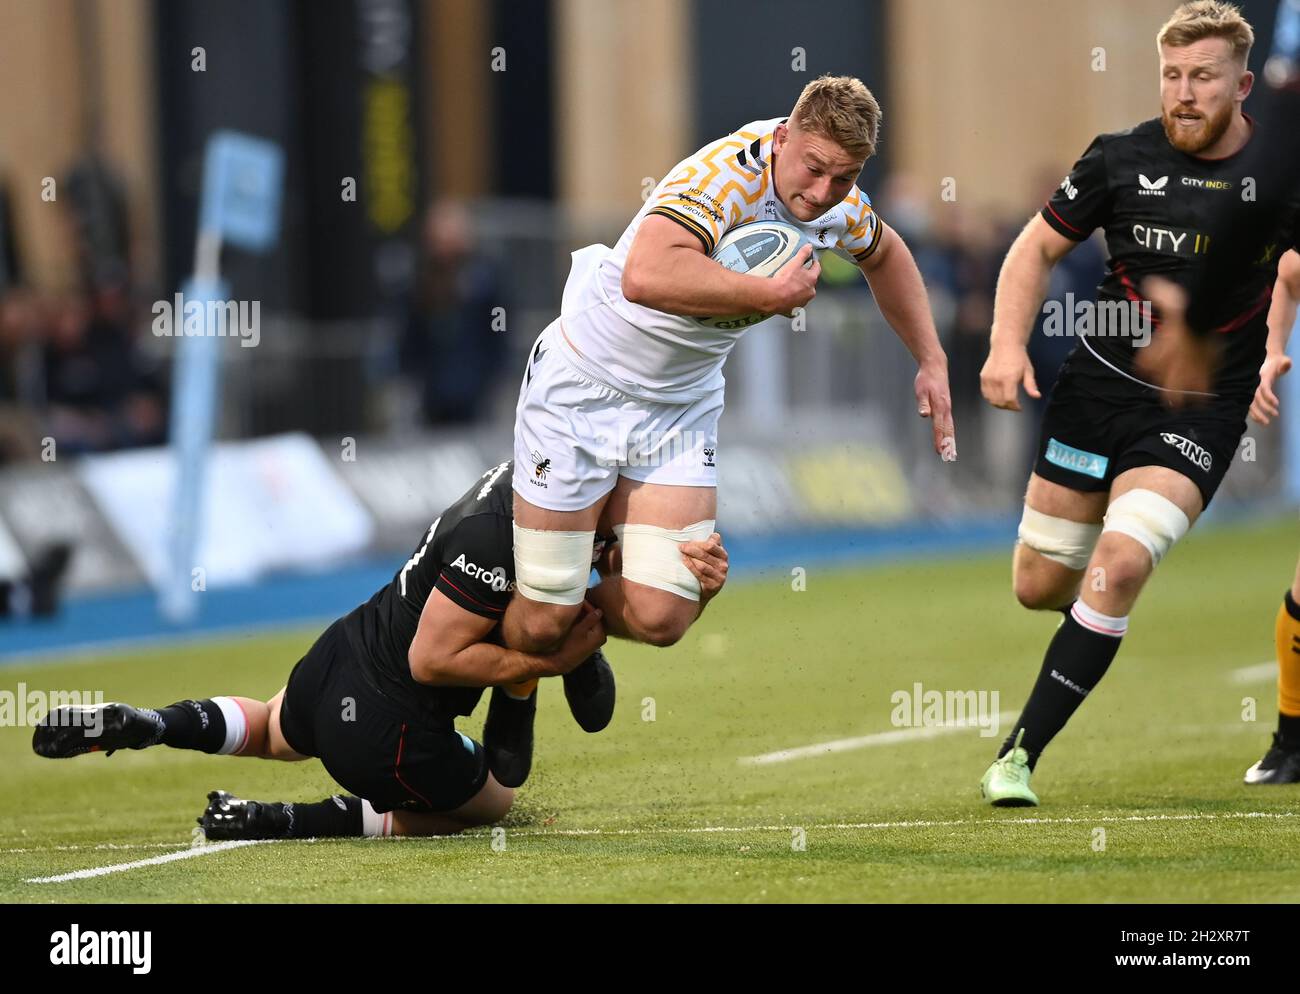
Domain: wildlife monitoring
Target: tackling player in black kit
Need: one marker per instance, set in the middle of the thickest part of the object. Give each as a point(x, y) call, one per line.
point(376, 697)
point(1120, 476)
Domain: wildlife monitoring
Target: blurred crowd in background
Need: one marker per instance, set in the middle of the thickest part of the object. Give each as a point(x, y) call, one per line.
point(71, 366)
point(437, 163)
point(410, 305)
point(79, 366)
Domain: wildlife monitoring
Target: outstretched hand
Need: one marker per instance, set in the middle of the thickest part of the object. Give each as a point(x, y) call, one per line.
point(934, 401)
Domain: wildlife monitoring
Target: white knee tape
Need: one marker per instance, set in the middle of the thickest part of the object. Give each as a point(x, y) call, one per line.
point(553, 567)
point(1147, 517)
point(1069, 543)
point(652, 556)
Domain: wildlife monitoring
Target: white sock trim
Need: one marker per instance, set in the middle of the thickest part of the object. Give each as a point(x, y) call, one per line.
point(236, 725)
point(1095, 621)
point(374, 824)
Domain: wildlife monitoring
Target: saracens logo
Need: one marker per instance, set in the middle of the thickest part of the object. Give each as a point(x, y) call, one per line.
point(494, 577)
point(1152, 188)
point(1190, 449)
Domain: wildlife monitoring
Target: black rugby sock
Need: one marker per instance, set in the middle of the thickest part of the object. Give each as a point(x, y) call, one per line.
point(1288, 730)
point(193, 725)
point(335, 817)
point(1077, 658)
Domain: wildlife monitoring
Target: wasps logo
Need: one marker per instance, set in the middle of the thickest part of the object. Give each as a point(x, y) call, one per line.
point(541, 467)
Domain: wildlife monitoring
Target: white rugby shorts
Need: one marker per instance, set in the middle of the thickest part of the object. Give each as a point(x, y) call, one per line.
point(575, 437)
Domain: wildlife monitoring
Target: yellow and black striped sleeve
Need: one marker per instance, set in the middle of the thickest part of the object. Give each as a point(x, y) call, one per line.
point(865, 253)
point(697, 229)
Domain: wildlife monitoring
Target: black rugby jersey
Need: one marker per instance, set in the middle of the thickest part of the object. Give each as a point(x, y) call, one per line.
point(1155, 205)
point(468, 555)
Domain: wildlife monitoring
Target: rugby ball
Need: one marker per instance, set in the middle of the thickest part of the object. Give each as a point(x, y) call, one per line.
point(759, 248)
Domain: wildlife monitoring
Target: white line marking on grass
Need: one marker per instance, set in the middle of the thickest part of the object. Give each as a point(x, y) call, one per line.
point(864, 742)
point(102, 845)
point(208, 850)
point(858, 826)
point(1257, 673)
point(1222, 728)
point(101, 871)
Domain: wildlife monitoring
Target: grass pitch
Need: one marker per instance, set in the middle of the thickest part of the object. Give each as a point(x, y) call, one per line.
point(665, 809)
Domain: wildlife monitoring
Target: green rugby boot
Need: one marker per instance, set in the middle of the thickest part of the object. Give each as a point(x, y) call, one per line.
point(1006, 782)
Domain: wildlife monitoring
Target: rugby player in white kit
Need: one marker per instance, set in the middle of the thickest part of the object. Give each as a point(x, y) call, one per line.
point(617, 422)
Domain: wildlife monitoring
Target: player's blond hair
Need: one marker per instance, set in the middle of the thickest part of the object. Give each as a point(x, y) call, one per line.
point(1208, 19)
point(842, 109)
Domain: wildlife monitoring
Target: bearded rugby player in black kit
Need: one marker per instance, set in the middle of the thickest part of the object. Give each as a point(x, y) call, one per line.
point(1186, 355)
point(376, 697)
point(1120, 476)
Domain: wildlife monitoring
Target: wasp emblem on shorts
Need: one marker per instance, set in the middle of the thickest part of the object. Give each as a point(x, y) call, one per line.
point(541, 467)
point(708, 457)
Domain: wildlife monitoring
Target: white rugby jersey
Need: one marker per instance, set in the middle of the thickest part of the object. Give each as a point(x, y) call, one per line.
point(664, 357)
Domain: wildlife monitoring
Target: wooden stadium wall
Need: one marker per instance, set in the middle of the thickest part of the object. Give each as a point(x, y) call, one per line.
point(49, 92)
point(624, 94)
point(998, 93)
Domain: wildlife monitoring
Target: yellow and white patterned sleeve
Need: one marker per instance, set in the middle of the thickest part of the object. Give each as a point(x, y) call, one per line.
point(862, 226)
point(719, 187)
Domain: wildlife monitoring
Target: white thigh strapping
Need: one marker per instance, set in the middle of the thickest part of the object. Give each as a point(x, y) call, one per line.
point(652, 556)
point(552, 566)
point(1069, 543)
point(1149, 518)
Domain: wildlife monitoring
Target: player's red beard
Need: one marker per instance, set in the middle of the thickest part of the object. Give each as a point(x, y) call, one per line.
point(1209, 132)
